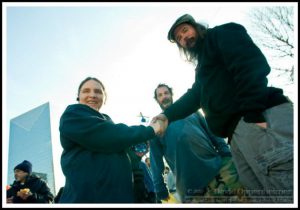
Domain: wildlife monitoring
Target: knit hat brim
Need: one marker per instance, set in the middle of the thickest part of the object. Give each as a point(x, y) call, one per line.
point(25, 166)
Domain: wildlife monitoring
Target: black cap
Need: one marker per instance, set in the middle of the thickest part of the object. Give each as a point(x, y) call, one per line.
point(183, 19)
point(25, 166)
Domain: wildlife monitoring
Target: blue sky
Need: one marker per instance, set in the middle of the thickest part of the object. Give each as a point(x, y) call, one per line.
point(51, 48)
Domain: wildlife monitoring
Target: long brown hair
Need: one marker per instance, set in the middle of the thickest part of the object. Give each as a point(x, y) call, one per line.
point(192, 55)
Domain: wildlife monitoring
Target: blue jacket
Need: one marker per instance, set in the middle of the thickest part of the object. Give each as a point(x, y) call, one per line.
point(191, 151)
point(94, 160)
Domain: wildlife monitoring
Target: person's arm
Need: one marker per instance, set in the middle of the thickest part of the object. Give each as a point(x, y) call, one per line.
point(10, 195)
point(249, 68)
point(10, 192)
point(185, 105)
point(157, 169)
point(83, 126)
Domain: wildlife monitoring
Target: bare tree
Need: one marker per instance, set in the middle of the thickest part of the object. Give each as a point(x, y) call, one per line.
point(274, 30)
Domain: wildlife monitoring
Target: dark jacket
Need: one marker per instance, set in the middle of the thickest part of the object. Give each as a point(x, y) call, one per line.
point(40, 191)
point(230, 82)
point(58, 195)
point(94, 160)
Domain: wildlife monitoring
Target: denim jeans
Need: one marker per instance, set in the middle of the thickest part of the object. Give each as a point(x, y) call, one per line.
point(264, 157)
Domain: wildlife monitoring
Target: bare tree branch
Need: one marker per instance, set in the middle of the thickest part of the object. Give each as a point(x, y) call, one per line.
point(274, 30)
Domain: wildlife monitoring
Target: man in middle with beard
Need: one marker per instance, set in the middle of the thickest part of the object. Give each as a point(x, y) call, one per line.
point(200, 161)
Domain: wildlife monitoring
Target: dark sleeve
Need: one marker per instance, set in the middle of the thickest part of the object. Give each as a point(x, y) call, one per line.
point(10, 192)
point(249, 68)
point(13, 192)
point(185, 105)
point(82, 126)
point(42, 195)
point(157, 169)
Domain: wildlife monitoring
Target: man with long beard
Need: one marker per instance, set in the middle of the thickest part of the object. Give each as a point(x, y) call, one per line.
point(231, 88)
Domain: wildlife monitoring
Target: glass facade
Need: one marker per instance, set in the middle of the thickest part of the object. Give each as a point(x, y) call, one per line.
point(30, 139)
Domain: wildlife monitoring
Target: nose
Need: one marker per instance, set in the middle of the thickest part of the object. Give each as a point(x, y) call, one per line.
point(92, 94)
point(164, 98)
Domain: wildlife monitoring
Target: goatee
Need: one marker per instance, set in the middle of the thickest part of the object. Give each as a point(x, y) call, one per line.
point(196, 49)
point(165, 104)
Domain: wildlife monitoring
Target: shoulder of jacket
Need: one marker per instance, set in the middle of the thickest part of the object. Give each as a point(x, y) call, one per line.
point(106, 116)
point(15, 184)
point(80, 109)
point(34, 178)
point(230, 26)
point(73, 107)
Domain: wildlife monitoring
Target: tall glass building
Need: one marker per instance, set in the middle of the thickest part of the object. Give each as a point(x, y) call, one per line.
point(30, 139)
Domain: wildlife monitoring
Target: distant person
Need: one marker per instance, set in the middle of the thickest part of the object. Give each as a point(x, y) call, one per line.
point(94, 159)
point(28, 188)
point(231, 88)
point(194, 154)
point(143, 183)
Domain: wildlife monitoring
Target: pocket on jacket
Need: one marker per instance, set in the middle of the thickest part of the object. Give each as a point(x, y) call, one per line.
point(276, 160)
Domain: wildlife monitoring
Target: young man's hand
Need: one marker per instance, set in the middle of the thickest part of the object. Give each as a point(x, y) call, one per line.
point(24, 193)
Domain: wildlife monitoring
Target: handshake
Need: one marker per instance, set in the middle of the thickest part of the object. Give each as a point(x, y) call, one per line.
point(159, 123)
